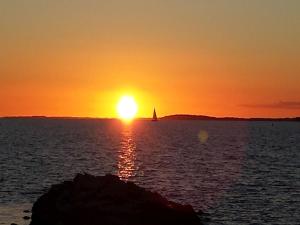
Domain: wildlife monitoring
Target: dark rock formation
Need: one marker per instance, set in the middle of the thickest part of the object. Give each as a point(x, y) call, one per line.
point(26, 217)
point(90, 200)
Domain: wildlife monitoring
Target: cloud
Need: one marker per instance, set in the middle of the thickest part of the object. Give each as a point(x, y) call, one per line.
point(276, 105)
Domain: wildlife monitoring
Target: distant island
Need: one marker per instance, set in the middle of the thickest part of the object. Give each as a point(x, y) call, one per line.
point(201, 117)
point(169, 117)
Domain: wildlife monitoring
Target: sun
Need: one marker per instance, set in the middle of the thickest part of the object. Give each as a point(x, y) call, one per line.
point(127, 108)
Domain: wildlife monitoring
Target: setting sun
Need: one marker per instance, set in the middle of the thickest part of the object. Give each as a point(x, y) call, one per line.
point(127, 108)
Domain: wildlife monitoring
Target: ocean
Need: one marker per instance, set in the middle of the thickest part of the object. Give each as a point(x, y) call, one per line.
point(237, 172)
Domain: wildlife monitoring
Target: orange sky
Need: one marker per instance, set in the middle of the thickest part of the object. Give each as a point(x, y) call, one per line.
point(219, 58)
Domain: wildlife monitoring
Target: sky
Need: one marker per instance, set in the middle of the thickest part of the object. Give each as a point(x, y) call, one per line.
point(215, 57)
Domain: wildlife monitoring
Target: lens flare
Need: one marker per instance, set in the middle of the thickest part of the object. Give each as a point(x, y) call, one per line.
point(203, 136)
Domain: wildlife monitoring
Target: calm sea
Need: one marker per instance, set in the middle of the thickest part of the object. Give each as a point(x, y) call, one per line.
point(237, 172)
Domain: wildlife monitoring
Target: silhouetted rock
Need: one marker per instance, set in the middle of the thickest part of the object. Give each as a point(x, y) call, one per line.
point(107, 200)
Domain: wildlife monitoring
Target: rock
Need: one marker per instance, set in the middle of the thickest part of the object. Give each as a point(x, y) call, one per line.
point(107, 200)
point(13, 224)
point(26, 211)
point(26, 217)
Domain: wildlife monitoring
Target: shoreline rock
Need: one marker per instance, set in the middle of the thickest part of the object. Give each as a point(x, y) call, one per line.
point(107, 200)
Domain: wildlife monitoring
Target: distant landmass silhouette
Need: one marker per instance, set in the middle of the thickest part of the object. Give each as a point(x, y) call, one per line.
point(169, 117)
point(202, 117)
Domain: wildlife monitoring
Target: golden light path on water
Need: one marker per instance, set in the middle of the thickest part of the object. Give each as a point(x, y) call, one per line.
point(127, 155)
point(217, 168)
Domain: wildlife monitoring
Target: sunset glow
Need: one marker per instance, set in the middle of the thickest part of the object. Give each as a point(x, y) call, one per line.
point(196, 99)
point(61, 59)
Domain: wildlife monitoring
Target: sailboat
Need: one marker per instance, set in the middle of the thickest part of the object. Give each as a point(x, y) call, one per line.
point(154, 118)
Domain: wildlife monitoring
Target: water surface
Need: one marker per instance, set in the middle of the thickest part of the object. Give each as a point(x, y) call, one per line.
point(238, 172)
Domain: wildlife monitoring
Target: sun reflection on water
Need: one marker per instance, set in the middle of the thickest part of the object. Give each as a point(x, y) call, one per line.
point(127, 155)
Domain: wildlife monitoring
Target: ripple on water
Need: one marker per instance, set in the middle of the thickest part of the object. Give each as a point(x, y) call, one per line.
point(14, 213)
point(239, 172)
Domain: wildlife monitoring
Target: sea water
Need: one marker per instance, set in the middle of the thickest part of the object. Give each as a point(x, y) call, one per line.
point(236, 172)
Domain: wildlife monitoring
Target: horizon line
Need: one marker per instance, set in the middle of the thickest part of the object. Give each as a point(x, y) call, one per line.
point(149, 118)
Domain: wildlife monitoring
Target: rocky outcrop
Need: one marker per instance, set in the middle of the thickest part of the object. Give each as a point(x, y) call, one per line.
point(106, 200)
